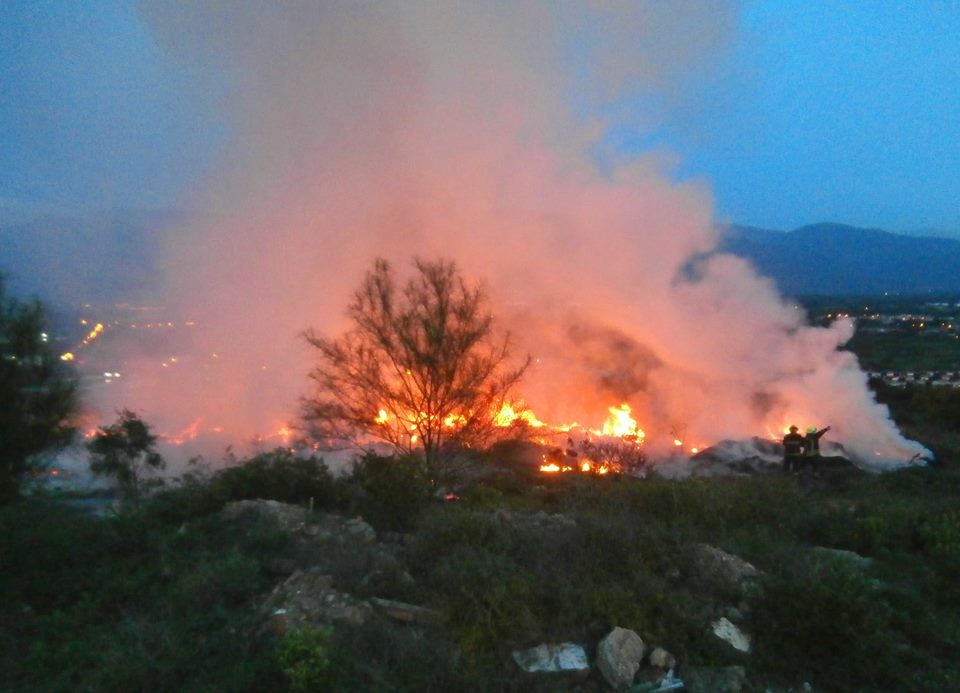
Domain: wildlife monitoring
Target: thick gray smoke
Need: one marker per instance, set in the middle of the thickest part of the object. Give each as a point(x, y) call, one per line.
point(464, 130)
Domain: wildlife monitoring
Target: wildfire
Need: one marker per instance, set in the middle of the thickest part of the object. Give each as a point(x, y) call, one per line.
point(508, 415)
point(187, 434)
point(621, 424)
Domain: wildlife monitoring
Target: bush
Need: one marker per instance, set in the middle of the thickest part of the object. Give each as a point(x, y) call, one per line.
point(824, 622)
point(279, 475)
point(304, 656)
point(390, 493)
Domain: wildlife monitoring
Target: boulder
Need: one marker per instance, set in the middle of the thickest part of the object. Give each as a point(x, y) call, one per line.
point(308, 598)
point(716, 567)
point(288, 516)
point(406, 613)
point(661, 659)
point(619, 655)
point(562, 658)
point(724, 629)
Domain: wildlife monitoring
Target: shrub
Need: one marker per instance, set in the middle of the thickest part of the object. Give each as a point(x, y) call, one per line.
point(388, 492)
point(304, 656)
point(279, 475)
point(825, 621)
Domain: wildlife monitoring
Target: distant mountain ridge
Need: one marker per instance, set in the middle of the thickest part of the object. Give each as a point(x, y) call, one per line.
point(113, 256)
point(839, 259)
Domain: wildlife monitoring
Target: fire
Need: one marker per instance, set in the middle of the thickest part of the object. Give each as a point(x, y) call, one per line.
point(678, 442)
point(508, 415)
point(187, 434)
point(550, 468)
point(382, 417)
point(285, 433)
point(454, 420)
point(621, 424)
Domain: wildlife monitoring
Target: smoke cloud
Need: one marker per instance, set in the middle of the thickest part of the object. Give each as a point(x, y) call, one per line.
point(465, 130)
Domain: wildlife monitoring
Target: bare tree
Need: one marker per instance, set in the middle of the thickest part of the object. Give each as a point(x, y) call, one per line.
point(420, 367)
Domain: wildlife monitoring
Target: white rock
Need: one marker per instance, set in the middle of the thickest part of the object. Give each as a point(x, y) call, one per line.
point(565, 657)
point(725, 630)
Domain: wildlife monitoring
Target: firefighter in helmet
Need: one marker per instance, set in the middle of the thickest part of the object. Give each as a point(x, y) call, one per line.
point(811, 446)
point(793, 444)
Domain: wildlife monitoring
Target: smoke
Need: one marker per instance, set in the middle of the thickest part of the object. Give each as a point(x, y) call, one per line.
point(466, 130)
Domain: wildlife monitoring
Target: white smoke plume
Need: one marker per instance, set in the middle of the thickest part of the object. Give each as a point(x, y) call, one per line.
point(464, 130)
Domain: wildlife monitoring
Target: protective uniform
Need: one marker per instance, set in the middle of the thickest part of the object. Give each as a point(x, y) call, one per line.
point(792, 450)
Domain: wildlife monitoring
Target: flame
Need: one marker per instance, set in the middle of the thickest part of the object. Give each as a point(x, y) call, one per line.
point(454, 420)
point(678, 442)
point(621, 424)
point(285, 433)
point(509, 414)
point(550, 468)
point(382, 417)
point(187, 434)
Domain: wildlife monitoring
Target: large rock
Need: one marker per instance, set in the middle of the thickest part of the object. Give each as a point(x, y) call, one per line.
point(724, 629)
point(716, 567)
point(288, 516)
point(308, 598)
point(562, 658)
point(619, 655)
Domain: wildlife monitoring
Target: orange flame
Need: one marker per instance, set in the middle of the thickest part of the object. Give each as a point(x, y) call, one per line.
point(620, 423)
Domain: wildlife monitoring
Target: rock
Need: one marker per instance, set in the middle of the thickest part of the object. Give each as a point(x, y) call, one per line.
point(407, 613)
point(662, 659)
point(850, 557)
point(562, 658)
point(725, 630)
point(284, 514)
point(717, 567)
point(358, 530)
point(308, 598)
point(619, 655)
point(714, 679)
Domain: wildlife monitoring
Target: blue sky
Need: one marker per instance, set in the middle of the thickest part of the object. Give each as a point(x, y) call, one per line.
point(820, 111)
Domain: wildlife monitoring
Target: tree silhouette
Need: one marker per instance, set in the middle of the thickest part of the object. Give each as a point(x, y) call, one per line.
point(419, 367)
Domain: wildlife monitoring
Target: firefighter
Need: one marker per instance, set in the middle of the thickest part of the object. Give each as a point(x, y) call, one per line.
point(792, 450)
point(811, 446)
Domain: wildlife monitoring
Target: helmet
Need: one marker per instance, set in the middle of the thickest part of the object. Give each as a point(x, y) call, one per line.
point(794, 429)
point(812, 429)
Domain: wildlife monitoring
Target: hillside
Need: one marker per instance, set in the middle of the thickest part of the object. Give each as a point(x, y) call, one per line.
point(839, 259)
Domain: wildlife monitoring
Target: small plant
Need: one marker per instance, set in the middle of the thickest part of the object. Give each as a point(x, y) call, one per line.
point(304, 656)
point(124, 451)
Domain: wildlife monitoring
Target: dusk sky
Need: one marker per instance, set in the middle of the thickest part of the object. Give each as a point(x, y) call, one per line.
point(814, 111)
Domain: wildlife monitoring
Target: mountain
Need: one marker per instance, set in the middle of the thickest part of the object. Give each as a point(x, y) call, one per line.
point(840, 259)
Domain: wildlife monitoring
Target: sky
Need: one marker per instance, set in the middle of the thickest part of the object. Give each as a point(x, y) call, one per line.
point(812, 111)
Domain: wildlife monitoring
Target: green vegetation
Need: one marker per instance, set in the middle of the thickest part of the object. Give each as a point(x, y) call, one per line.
point(37, 396)
point(903, 351)
point(125, 451)
point(166, 596)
